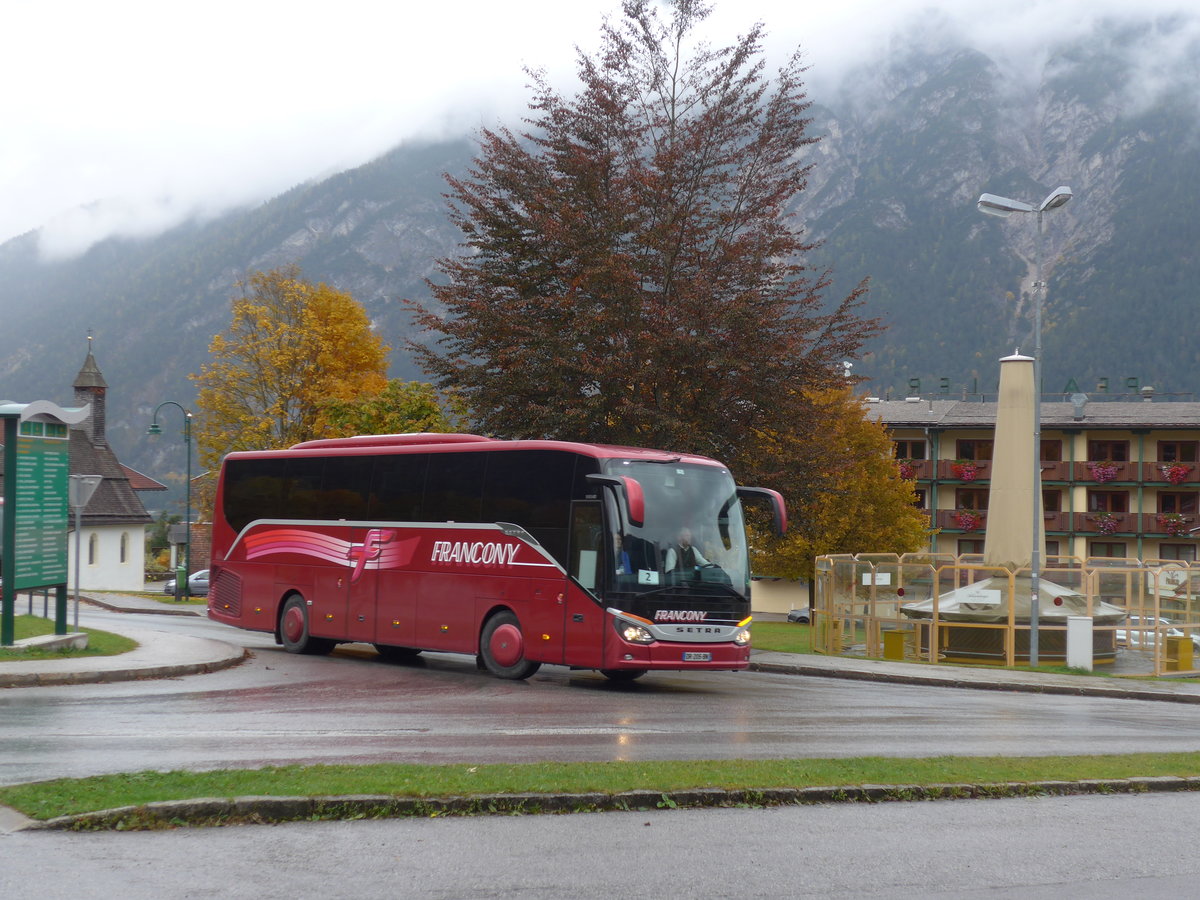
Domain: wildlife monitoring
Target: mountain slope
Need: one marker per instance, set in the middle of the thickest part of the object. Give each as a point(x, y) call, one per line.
point(907, 148)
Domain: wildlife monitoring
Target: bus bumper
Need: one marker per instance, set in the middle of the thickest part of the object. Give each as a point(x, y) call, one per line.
point(667, 655)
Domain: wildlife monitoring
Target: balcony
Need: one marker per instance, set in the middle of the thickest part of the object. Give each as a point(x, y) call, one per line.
point(1056, 471)
point(916, 469)
point(956, 520)
point(1057, 521)
point(1106, 523)
point(1091, 523)
point(953, 470)
point(1092, 472)
point(1105, 472)
point(1170, 473)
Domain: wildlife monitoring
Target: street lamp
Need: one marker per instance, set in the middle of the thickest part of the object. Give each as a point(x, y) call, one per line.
point(156, 429)
point(1004, 207)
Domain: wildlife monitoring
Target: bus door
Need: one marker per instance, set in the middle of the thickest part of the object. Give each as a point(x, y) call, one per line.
point(327, 595)
point(381, 586)
point(362, 586)
point(583, 617)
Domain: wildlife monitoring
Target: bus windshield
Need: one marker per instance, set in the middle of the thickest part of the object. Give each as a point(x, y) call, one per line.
point(693, 536)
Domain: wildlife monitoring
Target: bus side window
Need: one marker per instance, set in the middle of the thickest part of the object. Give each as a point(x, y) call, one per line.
point(398, 487)
point(587, 542)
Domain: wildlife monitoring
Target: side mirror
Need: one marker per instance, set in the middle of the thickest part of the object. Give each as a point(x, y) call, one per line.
point(631, 491)
point(779, 523)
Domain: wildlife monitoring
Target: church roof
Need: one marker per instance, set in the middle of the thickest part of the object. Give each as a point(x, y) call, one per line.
point(115, 501)
point(89, 376)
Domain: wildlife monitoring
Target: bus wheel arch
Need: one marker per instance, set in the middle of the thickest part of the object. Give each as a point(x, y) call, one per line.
point(502, 647)
point(293, 628)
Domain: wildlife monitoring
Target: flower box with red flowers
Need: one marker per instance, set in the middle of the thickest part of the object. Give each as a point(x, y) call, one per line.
point(965, 469)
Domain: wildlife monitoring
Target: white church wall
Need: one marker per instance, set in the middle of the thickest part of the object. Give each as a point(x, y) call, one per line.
point(113, 558)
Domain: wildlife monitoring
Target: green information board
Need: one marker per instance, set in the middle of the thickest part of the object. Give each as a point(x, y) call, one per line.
point(40, 539)
point(33, 518)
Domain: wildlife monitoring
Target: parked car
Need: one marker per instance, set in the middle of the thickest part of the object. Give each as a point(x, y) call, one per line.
point(1139, 632)
point(197, 584)
point(800, 615)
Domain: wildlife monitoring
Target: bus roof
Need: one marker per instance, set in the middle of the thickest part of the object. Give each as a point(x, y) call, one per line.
point(368, 444)
point(391, 440)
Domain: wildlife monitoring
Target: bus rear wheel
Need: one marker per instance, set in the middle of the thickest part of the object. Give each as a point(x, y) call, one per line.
point(293, 629)
point(502, 647)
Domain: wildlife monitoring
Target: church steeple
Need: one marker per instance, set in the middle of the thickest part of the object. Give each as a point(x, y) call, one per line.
point(90, 387)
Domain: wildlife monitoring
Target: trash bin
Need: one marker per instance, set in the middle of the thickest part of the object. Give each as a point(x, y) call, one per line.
point(893, 643)
point(180, 582)
point(1179, 653)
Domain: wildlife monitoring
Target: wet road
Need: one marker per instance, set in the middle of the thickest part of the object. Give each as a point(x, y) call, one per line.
point(353, 707)
point(1049, 848)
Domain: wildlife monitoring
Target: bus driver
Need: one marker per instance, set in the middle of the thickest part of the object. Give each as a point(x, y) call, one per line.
point(684, 557)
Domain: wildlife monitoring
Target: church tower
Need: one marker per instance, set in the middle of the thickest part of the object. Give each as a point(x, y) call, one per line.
point(90, 387)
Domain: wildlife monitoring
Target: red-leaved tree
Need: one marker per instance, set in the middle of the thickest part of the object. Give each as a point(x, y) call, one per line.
point(633, 272)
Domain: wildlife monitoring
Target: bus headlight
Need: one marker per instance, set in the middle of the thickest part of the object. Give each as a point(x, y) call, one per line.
point(633, 632)
point(742, 637)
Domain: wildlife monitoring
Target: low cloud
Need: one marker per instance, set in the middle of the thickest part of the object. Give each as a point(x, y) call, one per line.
point(142, 121)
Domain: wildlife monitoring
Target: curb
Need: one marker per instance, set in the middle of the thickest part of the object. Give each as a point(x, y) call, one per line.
point(112, 676)
point(1123, 692)
point(149, 611)
point(208, 812)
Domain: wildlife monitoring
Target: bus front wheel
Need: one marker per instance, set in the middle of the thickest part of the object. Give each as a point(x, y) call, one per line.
point(293, 629)
point(502, 647)
point(623, 676)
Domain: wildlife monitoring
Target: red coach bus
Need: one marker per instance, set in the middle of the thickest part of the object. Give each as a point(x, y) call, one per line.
point(517, 552)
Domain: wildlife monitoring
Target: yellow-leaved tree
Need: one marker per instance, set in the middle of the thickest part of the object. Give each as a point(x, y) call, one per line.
point(401, 406)
point(843, 489)
point(291, 348)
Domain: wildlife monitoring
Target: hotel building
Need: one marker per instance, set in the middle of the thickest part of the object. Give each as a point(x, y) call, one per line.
point(1120, 477)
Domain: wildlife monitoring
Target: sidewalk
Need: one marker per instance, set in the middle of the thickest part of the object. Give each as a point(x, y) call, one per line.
point(158, 654)
point(979, 678)
point(164, 655)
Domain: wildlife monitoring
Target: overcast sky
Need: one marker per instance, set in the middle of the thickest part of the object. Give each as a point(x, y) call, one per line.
point(148, 112)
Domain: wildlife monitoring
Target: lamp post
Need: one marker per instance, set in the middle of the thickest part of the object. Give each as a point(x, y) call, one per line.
point(156, 429)
point(1005, 207)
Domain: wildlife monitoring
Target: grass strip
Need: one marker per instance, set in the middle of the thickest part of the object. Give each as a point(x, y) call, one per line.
point(781, 637)
point(792, 637)
point(72, 796)
point(100, 643)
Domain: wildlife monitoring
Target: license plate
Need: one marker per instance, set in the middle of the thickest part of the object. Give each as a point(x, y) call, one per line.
point(696, 656)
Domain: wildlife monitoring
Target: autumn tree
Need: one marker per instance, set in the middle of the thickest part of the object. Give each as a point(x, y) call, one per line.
point(402, 406)
point(844, 490)
point(292, 346)
point(633, 271)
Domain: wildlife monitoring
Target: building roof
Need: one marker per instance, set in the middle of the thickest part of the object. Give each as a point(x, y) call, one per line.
point(89, 374)
point(114, 501)
point(1089, 414)
point(141, 482)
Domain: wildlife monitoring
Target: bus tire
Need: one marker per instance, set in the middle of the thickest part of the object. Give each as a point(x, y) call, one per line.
point(397, 654)
point(293, 629)
point(502, 647)
point(623, 676)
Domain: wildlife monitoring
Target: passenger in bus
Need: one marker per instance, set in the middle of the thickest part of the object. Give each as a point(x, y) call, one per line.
point(683, 556)
point(624, 565)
